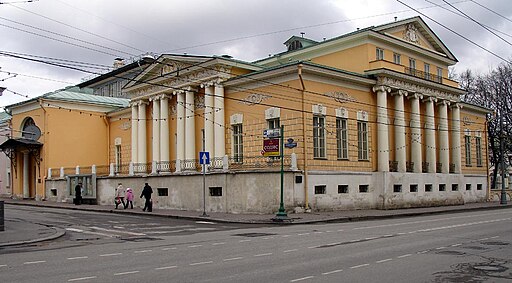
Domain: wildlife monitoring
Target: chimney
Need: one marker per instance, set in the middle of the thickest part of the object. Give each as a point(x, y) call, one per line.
point(118, 63)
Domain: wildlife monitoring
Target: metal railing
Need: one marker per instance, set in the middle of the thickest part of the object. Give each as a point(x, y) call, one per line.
point(423, 75)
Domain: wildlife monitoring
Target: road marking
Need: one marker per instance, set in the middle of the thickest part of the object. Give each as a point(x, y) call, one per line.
point(233, 258)
point(401, 233)
point(117, 231)
point(313, 247)
point(78, 257)
point(331, 272)
point(356, 240)
point(483, 239)
point(143, 251)
point(456, 245)
point(370, 238)
point(166, 267)
point(3, 265)
point(81, 278)
point(423, 252)
point(402, 256)
point(205, 222)
point(440, 248)
point(216, 244)
point(388, 235)
point(127, 272)
point(495, 237)
point(118, 227)
point(166, 249)
point(303, 278)
point(328, 231)
point(340, 230)
point(302, 234)
point(263, 254)
point(289, 251)
point(195, 246)
point(202, 262)
point(241, 241)
point(361, 265)
point(267, 238)
point(74, 230)
point(111, 254)
point(318, 232)
point(285, 236)
point(34, 262)
point(384, 260)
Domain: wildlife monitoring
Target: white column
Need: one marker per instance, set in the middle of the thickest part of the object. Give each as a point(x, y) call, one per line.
point(164, 128)
point(190, 127)
point(180, 127)
point(382, 128)
point(135, 117)
point(141, 152)
point(430, 135)
point(26, 188)
point(209, 111)
point(444, 144)
point(456, 152)
point(156, 130)
point(400, 153)
point(416, 133)
point(219, 126)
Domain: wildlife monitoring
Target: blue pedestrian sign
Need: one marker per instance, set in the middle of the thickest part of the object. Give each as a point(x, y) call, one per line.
point(204, 157)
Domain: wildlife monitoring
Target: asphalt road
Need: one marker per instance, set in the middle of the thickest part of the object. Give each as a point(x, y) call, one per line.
point(457, 247)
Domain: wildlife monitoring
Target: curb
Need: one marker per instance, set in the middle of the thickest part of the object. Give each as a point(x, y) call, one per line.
point(270, 221)
point(59, 233)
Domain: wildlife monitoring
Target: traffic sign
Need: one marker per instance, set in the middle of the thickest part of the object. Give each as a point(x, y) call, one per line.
point(204, 157)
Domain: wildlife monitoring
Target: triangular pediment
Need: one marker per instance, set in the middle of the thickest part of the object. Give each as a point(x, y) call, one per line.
point(415, 31)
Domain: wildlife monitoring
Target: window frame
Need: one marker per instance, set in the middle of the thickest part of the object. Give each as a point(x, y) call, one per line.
point(397, 58)
point(341, 138)
point(238, 142)
point(379, 54)
point(467, 149)
point(319, 139)
point(362, 140)
point(479, 157)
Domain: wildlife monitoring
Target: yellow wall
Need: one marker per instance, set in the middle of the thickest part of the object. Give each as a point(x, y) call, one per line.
point(352, 59)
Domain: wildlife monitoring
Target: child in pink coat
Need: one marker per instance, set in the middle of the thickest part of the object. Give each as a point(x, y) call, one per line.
point(129, 198)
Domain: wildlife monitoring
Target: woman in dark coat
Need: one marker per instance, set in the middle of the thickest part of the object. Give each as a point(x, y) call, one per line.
point(78, 194)
point(146, 193)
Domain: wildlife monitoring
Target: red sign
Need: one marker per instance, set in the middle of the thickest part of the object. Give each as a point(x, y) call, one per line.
point(271, 147)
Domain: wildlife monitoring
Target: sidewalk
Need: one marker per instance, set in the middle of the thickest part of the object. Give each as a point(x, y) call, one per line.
point(20, 232)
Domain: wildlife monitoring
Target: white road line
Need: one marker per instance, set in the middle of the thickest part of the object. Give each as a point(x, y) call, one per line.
point(303, 278)
point(3, 265)
point(166, 267)
point(114, 254)
point(202, 262)
point(456, 245)
point(331, 272)
point(402, 256)
point(263, 254)
point(81, 278)
point(422, 252)
point(195, 246)
point(495, 237)
point(118, 227)
point(401, 233)
point(313, 247)
point(361, 265)
point(242, 241)
point(78, 257)
point(166, 249)
point(74, 230)
point(340, 230)
point(285, 236)
point(117, 231)
point(34, 262)
point(233, 258)
point(318, 232)
point(370, 238)
point(356, 240)
point(289, 251)
point(216, 244)
point(388, 235)
point(205, 222)
point(328, 231)
point(143, 251)
point(440, 248)
point(384, 260)
point(483, 239)
point(126, 273)
point(302, 234)
point(267, 238)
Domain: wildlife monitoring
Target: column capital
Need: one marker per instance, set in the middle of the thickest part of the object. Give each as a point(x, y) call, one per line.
point(430, 99)
point(381, 88)
point(456, 105)
point(415, 95)
point(178, 91)
point(443, 102)
point(207, 84)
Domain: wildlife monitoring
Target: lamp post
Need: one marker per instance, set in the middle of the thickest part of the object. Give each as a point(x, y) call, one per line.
point(281, 214)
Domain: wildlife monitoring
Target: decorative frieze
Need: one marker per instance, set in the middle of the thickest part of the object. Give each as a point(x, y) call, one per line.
point(254, 98)
point(411, 34)
point(412, 87)
point(340, 97)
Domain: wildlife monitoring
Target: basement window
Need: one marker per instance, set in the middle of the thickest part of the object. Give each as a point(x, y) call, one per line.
point(363, 188)
point(455, 187)
point(397, 188)
point(215, 191)
point(320, 190)
point(162, 192)
point(413, 188)
point(468, 187)
point(428, 187)
point(442, 187)
point(479, 187)
point(342, 189)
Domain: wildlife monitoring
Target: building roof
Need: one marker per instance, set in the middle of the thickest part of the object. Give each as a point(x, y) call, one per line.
point(4, 117)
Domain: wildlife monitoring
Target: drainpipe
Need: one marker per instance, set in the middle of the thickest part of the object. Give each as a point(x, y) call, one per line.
point(105, 120)
point(45, 147)
point(304, 153)
point(487, 160)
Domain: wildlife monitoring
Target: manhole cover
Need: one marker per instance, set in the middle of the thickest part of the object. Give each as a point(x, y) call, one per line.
point(450, 253)
point(252, 235)
point(490, 268)
point(495, 243)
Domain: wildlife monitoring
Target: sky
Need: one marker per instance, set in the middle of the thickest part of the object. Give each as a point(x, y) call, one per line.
point(47, 45)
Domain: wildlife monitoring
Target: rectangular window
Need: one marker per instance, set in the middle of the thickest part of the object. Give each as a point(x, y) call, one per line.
point(413, 188)
point(215, 191)
point(467, 144)
point(427, 71)
point(397, 188)
point(238, 143)
point(363, 188)
point(320, 190)
point(412, 64)
point(455, 187)
point(379, 53)
point(428, 187)
point(318, 136)
point(162, 192)
point(397, 58)
point(341, 138)
point(342, 189)
point(362, 140)
point(442, 187)
point(274, 123)
point(468, 187)
point(118, 159)
point(478, 144)
point(439, 74)
point(479, 187)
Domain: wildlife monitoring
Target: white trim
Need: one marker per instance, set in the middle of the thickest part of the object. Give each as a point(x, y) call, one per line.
point(341, 113)
point(319, 109)
point(362, 115)
point(236, 119)
point(272, 113)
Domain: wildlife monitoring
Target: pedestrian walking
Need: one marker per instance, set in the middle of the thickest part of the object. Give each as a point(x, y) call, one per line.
point(129, 198)
point(78, 194)
point(120, 194)
point(146, 193)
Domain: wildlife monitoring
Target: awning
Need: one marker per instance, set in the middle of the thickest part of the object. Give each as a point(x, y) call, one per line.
point(21, 143)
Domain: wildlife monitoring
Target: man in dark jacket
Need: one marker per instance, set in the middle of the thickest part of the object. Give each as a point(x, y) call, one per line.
point(78, 193)
point(146, 193)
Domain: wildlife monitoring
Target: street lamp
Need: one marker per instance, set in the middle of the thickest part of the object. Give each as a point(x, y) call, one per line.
point(281, 214)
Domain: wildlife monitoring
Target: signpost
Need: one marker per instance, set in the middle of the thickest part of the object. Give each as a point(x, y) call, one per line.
point(204, 159)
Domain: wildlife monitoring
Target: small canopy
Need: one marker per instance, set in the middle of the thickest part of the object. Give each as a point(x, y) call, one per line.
point(13, 144)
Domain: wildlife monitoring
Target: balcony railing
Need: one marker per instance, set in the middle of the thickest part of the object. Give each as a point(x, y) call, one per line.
point(423, 75)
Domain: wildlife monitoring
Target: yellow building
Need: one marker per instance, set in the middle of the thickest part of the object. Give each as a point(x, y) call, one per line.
point(370, 120)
